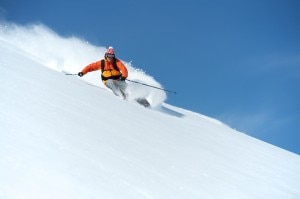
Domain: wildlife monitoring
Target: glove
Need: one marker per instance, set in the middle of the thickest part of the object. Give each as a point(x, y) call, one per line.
point(80, 74)
point(122, 78)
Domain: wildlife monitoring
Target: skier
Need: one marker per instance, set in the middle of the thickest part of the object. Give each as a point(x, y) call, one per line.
point(113, 72)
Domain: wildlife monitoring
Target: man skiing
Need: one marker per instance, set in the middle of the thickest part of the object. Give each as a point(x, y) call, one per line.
point(113, 72)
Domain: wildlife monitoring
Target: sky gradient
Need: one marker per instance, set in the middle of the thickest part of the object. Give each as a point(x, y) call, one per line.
point(236, 61)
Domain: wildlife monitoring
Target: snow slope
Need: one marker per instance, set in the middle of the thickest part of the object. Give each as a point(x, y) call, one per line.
point(63, 138)
point(72, 55)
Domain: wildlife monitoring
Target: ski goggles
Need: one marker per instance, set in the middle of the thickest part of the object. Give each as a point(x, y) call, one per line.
point(110, 55)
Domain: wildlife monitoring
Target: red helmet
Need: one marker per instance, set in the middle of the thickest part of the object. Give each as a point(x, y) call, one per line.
point(110, 52)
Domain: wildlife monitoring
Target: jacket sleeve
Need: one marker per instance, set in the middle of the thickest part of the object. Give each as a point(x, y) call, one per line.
point(122, 68)
point(91, 67)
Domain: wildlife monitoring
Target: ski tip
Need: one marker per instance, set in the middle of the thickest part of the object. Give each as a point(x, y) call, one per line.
point(142, 101)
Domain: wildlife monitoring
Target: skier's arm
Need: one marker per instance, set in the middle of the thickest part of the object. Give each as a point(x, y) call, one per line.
point(91, 67)
point(122, 68)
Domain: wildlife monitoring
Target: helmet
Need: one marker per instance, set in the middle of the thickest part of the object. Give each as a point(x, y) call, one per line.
point(110, 52)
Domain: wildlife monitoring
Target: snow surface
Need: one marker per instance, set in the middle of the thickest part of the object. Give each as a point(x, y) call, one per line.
point(72, 55)
point(60, 137)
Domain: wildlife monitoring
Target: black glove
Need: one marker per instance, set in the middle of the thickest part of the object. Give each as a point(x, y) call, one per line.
point(80, 74)
point(122, 78)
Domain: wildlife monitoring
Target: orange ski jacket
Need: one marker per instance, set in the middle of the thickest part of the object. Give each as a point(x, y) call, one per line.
point(111, 70)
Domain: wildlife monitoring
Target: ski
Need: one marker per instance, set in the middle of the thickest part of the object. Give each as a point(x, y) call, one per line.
point(143, 102)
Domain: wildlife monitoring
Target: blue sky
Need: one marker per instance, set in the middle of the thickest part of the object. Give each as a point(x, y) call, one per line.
point(237, 60)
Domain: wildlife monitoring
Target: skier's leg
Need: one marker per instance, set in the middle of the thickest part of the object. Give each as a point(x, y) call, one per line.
point(115, 89)
point(122, 86)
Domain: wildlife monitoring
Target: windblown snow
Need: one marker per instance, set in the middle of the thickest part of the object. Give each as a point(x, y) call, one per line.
point(60, 137)
point(72, 55)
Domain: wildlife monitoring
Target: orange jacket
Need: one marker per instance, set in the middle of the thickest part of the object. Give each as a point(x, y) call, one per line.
point(109, 70)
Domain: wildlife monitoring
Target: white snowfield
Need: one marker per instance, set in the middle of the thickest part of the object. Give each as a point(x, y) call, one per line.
point(65, 139)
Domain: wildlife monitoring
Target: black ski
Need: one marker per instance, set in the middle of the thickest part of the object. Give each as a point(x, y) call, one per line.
point(143, 102)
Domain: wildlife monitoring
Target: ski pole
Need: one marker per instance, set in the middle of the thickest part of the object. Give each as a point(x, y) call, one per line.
point(151, 86)
point(70, 74)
